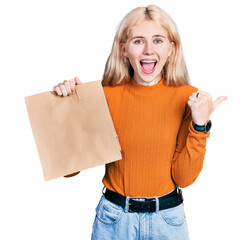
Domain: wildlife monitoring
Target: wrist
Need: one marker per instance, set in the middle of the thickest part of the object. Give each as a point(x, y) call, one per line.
point(202, 128)
point(200, 122)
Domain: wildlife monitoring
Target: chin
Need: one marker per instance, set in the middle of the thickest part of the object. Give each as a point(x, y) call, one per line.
point(150, 77)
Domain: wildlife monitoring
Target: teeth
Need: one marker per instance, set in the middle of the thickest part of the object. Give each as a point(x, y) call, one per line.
point(146, 61)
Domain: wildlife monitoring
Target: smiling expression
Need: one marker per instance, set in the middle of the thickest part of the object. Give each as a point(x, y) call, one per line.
point(147, 49)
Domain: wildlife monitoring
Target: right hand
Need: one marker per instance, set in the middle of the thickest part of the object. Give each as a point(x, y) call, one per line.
point(67, 87)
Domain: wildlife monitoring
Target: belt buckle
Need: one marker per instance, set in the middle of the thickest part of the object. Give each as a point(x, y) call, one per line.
point(135, 207)
point(140, 204)
point(129, 206)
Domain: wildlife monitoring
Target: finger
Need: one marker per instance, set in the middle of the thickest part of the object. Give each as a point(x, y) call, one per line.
point(194, 98)
point(218, 101)
point(202, 95)
point(77, 80)
point(63, 89)
point(190, 103)
point(197, 95)
point(72, 85)
point(68, 88)
point(57, 90)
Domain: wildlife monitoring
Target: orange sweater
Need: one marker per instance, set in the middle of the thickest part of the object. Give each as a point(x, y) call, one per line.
point(159, 145)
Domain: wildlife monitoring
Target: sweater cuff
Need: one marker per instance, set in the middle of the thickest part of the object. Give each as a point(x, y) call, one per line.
point(197, 133)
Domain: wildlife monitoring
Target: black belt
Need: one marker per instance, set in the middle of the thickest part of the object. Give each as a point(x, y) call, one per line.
point(170, 200)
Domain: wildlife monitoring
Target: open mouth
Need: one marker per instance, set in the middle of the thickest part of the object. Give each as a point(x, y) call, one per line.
point(148, 66)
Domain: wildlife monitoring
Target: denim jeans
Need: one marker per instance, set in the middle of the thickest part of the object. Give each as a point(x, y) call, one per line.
point(114, 222)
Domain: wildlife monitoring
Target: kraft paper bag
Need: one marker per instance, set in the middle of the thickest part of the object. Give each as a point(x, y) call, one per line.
point(73, 133)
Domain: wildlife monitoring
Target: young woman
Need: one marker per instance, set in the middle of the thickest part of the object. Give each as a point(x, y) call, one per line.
point(162, 123)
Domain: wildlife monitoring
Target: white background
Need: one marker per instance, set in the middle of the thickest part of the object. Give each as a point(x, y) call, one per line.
point(46, 42)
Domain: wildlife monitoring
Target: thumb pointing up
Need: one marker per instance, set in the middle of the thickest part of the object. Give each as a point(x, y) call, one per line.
point(218, 101)
point(202, 106)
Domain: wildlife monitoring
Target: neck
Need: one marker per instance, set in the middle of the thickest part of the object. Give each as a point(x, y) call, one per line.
point(152, 82)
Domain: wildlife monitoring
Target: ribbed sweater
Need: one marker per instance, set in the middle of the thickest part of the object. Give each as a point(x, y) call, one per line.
point(160, 147)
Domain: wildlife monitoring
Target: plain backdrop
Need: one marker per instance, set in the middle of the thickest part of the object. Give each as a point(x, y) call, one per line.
point(45, 42)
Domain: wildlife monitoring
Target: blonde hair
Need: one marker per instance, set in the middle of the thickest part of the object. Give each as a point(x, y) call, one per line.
point(118, 69)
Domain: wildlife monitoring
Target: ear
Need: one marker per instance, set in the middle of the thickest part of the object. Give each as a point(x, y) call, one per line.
point(123, 49)
point(172, 48)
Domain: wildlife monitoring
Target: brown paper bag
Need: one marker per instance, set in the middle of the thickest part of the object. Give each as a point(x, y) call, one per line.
point(73, 133)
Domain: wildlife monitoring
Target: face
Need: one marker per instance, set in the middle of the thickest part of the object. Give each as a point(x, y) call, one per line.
point(147, 49)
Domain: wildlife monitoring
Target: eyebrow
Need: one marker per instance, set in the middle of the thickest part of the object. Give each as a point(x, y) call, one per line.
point(152, 36)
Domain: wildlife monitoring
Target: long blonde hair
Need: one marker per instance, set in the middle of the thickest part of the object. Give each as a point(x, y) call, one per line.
point(118, 69)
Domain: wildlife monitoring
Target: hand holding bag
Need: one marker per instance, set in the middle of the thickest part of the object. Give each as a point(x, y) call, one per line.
point(73, 133)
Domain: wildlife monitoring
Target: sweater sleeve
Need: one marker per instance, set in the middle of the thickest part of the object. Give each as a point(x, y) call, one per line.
point(190, 150)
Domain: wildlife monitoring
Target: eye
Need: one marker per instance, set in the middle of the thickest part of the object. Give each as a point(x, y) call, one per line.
point(138, 41)
point(158, 41)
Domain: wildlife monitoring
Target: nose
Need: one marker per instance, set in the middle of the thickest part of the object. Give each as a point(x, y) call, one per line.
point(148, 48)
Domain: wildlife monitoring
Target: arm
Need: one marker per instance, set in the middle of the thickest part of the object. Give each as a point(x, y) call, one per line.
point(190, 150)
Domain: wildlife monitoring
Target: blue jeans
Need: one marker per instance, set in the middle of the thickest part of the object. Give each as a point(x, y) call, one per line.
point(114, 222)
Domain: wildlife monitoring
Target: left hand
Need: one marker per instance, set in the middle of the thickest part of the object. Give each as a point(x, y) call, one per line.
point(202, 106)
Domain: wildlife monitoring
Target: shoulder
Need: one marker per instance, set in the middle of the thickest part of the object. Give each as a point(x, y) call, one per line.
point(185, 91)
point(113, 91)
point(181, 97)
